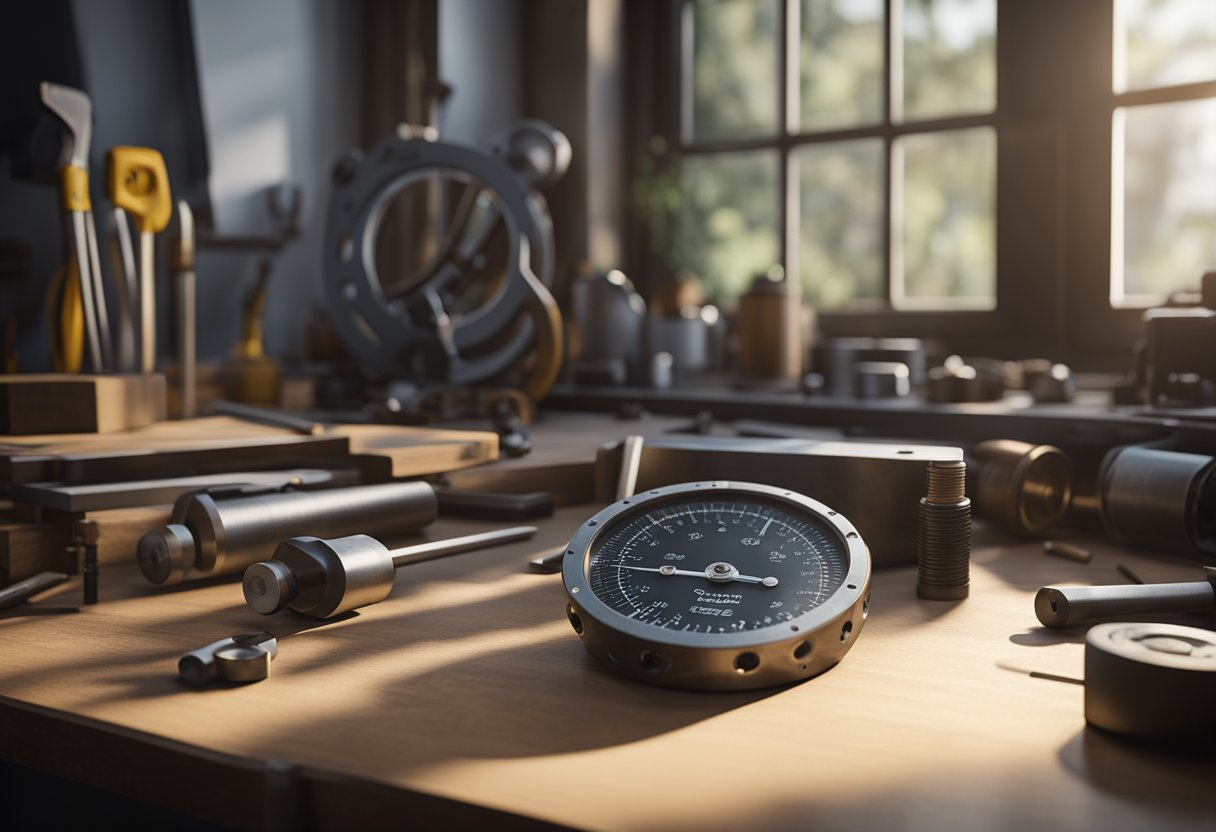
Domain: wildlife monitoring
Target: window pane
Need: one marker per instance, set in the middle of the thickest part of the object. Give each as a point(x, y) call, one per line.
point(1164, 42)
point(841, 63)
point(1164, 233)
point(728, 225)
point(734, 69)
point(840, 239)
point(949, 58)
point(945, 220)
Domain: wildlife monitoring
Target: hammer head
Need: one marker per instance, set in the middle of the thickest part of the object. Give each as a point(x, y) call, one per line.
point(76, 111)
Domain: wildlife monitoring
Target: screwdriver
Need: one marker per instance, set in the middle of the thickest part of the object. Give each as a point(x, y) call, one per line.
point(139, 184)
point(324, 578)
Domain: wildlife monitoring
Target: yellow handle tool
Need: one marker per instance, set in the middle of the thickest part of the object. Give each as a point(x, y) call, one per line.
point(138, 183)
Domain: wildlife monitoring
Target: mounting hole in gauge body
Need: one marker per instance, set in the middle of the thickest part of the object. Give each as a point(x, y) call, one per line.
point(717, 586)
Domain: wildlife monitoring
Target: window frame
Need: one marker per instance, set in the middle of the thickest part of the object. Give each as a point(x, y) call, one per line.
point(1053, 117)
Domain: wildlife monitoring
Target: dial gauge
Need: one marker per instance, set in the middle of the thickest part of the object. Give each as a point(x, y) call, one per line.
point(717, 585)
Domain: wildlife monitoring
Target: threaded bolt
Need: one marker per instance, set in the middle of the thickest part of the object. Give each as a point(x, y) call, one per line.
point(943, 534)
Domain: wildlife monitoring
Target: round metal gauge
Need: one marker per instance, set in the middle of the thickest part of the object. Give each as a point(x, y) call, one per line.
point(717, 586)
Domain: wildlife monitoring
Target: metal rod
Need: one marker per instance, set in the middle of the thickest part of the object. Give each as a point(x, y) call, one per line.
point(80, 245)
point(454, 546)
point(631, 460)
point(147, 303)
point(18, 592)
point(1065, 606)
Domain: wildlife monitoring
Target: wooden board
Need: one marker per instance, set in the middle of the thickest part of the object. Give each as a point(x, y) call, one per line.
point(220, 443)
point(63, 403)
point(468, 686)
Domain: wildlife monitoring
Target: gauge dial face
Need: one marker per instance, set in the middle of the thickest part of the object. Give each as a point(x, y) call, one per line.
point(734, 564)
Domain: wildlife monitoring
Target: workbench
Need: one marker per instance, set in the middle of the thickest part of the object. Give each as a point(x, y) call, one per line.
point(465, 700)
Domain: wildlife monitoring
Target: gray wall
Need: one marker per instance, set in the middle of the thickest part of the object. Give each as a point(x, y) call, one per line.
point(280, 88)
point(479, 56)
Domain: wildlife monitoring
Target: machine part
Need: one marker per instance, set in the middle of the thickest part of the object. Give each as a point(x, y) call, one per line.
point(957, 381)
point(610, 318)
point(75, 109)
point(182, 265)
point(771, 344)
point(324, 578)
point(210, 536)
point(881, 380)
point(943, 534)
point(102, 496)
point(419, 325)
point(242, 658)
point(23, 590)
point(1177, 356)
point(1067, 551)
point(1025, 488)
point(835, 359)
point(139, 184)
point(1068, 606)
point(877, 486)
point(535, 150)
point(717, 586)
point(85, 534)
point(685, 337)
point(1160, 500)
point(1152, 680)
point(494, 505)
point(1053, 386)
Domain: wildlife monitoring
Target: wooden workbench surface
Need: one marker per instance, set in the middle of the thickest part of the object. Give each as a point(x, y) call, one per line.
point(468, 685)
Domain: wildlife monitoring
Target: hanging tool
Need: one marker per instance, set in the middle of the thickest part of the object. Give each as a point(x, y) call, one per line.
point(1065, 606)
point(76, 111)
point(323, 578)
point(210, 536)
point(139, 184)
point(183, 267)
point(126, 282)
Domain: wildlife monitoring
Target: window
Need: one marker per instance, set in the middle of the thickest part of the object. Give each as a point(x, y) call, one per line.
point(1163, 160)
point(853, 142)
point(869, 146)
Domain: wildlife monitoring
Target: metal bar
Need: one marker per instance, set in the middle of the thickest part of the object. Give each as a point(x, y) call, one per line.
point(410, 555)
point(147, 303)
point(1066, 606)
point(18, 592)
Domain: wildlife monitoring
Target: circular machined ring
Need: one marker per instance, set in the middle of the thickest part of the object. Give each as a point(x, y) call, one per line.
point(379, 331)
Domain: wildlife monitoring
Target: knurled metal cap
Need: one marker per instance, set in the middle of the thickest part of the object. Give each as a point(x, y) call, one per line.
point(269, 586)
point(166, 553)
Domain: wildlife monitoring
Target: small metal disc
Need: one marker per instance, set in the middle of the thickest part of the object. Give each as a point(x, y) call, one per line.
point(243, 664)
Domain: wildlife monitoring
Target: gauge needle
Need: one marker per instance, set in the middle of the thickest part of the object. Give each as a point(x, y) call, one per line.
point(712, 572)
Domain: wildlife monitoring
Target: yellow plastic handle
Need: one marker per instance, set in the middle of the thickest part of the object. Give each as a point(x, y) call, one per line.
point(138, 183)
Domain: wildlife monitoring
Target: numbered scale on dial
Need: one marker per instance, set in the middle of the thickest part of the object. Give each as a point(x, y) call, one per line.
point(717, 585)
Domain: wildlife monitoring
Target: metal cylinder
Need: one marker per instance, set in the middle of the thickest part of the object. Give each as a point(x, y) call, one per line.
point(1153, 681)
point(223, 537)
point(770, 331)
point(1066, 606)
point(321, 578)
point(943, 534)
point(1160, 499)
point(1026, 488)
